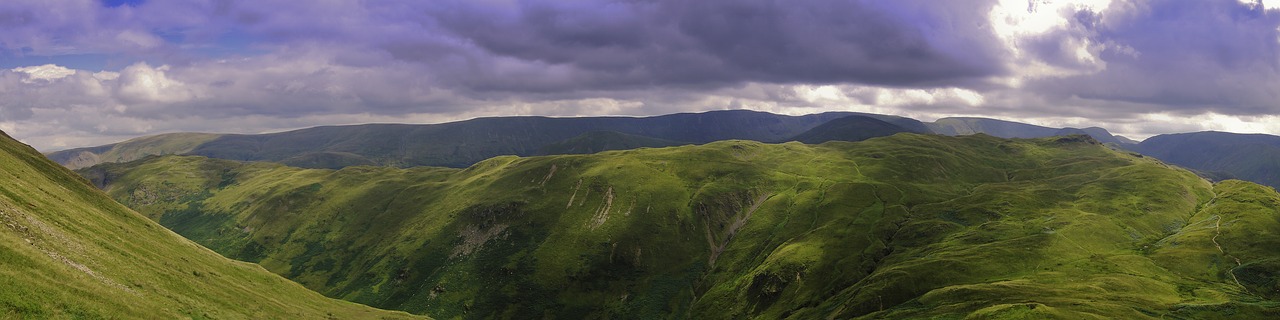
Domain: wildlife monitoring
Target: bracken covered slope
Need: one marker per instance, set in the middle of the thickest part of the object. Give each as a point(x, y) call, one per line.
point(901, 226)
point(69, 251)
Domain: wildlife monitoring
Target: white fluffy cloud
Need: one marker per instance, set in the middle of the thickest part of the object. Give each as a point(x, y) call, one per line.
point(143, 84)
point(48, 72)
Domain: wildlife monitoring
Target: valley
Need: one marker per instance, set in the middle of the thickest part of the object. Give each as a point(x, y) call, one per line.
point(903, 226)
point(709, 159)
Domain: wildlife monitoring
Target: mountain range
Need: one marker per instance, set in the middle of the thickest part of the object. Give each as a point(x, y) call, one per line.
point(904, 226)
point(460, 144)
point(1215, 155)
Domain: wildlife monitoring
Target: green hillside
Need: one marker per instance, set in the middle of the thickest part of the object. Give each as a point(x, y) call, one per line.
point(68, 251)
point(597, 141)
point(906, 226)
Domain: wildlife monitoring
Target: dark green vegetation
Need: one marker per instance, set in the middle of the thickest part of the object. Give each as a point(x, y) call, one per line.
point(907, 226)
point(69, 251)
point(1253, 157)
point(851, 128)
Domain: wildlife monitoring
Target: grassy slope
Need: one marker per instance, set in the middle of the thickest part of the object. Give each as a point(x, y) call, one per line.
point(597, 141)
point(69, 251)
point(903, 226)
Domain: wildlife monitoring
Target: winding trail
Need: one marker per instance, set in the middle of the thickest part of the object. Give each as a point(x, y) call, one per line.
point(1217, 231)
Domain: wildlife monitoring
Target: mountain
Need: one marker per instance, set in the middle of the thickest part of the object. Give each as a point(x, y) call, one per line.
point(457, 144)
point(1000, 128)
point(460, 144)
point(852, 128)
point(1253, 157)
point(597, 141)
point(1009, 129)
point(69, 251)
point(905, 226)
point(134, 149)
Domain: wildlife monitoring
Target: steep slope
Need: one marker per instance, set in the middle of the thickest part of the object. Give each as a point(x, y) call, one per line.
point(1253, 157)
point(68, 251)
point(597, 141)
point(459, 144)
point(133, 149)
point(851, 128)
point(1009, 129)
point(901, 226)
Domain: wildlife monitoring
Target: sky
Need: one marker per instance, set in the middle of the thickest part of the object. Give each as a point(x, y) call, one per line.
point(77, 73)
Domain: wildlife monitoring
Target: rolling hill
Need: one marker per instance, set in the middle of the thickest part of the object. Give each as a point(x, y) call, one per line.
point(69, 251)
point(905, 226)
point(851, 128)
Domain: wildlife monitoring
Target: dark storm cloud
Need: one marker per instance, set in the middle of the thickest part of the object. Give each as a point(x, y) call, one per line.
point(645, 43)
point(551, 46)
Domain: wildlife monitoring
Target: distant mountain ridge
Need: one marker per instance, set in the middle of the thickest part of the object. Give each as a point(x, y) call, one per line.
point(1253, 157)
point(1008, 129)
point(462, 143)
point(132, 149)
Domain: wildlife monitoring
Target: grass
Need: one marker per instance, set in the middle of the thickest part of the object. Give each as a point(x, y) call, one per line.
point(69, 251)
point(906, 226)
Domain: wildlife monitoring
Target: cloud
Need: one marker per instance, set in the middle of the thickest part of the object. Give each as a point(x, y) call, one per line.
point(1181, 56)
point(621, 44)
point(142, 84)
point(48, 72)
point(253, 66)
